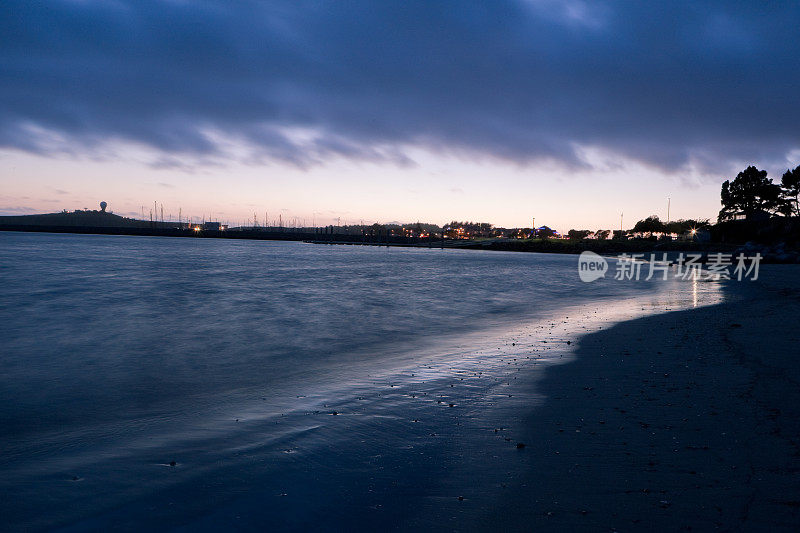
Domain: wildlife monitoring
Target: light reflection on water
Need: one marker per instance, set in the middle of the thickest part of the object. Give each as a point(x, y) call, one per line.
point(122, 353)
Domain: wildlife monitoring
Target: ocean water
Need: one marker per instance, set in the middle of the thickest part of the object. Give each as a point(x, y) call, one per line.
point(199, 384)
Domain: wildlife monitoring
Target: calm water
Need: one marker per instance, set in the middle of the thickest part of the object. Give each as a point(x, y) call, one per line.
point(122, 354)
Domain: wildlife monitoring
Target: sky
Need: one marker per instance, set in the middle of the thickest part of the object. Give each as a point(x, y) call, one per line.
point(570, 112)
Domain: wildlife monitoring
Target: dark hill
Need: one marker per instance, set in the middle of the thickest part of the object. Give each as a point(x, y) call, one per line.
point(90, 219)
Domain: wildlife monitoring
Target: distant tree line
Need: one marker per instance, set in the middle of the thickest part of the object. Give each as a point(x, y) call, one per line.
point(650, 226)
point(653, 224)
point(750, 195)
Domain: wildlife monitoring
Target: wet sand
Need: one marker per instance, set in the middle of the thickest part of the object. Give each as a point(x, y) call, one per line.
point(688, 420)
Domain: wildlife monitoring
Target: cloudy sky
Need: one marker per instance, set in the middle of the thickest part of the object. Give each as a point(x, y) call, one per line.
point(502, 110)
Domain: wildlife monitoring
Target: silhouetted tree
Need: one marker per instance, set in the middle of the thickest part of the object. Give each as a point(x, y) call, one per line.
point(749, 193)
point(651, 224)
point(578, 234)
point(686, 225)
point(790, 184)
point(602, 234)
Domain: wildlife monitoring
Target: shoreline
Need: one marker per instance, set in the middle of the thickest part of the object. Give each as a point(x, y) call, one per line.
point(549, 246)
point(681, 421)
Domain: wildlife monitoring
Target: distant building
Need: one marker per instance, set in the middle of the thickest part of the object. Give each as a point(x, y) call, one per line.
point(213, 226)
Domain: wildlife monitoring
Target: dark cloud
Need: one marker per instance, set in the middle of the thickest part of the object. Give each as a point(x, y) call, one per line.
point(666, 83)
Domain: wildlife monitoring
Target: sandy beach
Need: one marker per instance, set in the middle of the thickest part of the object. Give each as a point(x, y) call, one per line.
point(688, 420)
